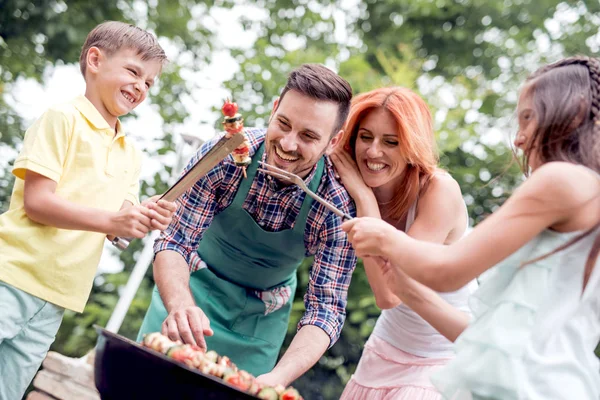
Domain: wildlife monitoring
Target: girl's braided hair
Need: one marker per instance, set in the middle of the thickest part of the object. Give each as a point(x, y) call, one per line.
point(566, 98)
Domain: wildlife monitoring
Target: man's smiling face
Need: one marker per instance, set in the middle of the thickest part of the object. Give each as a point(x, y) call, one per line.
point(300, 131)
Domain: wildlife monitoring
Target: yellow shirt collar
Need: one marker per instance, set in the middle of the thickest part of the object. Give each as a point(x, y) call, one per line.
point(91, 113)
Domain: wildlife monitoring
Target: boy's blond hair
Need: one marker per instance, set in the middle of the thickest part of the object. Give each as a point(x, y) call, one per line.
point(112, 36)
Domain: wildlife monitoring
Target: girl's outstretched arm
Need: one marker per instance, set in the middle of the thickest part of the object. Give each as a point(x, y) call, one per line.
point(558, 195)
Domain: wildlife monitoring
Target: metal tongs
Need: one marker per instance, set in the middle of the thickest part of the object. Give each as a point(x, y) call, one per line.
point(289, 177)
point(215, 155)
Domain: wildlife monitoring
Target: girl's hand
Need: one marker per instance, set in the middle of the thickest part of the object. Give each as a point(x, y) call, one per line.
point(371, 237)
point(349, 174)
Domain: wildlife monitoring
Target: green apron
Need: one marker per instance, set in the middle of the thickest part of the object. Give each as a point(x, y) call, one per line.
point(244, 261)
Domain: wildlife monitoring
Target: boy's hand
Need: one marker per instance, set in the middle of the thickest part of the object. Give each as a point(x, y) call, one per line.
point(161, 212)
point(134, 221)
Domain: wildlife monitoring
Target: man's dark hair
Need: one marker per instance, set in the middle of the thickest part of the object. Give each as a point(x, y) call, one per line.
point(321, 83)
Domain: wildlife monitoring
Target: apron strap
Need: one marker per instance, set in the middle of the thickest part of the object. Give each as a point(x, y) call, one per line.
point(314, 185)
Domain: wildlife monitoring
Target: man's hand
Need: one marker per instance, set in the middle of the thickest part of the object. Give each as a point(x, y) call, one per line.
point(271, 379)
point(188, 324)
point(309, 344)
point(160, 211)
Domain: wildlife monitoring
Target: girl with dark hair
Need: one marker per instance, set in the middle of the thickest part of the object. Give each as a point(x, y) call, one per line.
point(389, 167)
point(537, 313)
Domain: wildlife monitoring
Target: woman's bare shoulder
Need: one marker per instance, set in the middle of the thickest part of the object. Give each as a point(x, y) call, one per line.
point(442, 198)
point(443, 187)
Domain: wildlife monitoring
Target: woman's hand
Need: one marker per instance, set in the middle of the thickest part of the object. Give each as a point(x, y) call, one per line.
point(349, 174)
point(396, 279)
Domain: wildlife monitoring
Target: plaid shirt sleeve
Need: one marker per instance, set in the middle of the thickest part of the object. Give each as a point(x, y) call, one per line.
point(330, 274)
point(195, 211)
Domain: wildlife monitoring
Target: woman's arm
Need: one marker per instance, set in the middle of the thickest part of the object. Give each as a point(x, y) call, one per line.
point(441, 211)
point(438, 313)
point(555, 195)
point(366, 206)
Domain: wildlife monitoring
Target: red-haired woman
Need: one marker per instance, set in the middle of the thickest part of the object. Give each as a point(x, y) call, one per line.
point(388, 164)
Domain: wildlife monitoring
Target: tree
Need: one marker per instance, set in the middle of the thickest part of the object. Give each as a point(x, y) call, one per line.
point(475, 52)
point(467, 58)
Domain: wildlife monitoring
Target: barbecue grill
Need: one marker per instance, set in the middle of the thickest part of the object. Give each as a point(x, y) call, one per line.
point(126, 370)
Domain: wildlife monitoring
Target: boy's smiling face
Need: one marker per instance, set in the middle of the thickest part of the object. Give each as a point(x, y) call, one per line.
point(118, 83)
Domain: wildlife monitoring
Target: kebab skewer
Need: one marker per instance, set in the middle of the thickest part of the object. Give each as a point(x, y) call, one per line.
point(234, 123)
point(219, 366)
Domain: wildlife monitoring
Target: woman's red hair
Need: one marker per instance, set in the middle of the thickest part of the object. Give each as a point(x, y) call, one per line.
point(415, 135)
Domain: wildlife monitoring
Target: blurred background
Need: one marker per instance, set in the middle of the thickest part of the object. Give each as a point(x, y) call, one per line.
point(467, 58)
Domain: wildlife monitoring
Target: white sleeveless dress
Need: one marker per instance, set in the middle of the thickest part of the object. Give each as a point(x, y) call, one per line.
point(403, 351)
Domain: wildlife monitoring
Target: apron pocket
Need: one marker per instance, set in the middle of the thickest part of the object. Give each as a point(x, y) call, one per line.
point(275, 298)
point(254, 322)
point(239, 318)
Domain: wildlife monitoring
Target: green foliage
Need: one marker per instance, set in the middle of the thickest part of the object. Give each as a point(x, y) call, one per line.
point(485, 181)
point(6, 183)
point(466, 58)
point(461, 33)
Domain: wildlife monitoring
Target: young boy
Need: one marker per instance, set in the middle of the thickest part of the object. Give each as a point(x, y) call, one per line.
point(77, 181)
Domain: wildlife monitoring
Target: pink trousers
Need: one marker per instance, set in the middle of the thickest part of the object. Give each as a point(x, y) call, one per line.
point(385, 372)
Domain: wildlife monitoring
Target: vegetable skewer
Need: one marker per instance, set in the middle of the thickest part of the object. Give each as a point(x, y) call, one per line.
point(234, 123)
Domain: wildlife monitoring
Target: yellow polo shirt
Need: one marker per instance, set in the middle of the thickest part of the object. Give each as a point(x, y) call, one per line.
point(73, 145)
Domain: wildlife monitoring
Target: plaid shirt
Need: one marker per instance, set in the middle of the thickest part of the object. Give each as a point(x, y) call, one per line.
point(274, 208)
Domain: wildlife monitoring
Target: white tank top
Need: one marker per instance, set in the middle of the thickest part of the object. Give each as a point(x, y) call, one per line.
point(403, 328)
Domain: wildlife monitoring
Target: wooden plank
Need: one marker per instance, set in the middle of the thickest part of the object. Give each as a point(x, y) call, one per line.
point(75, 369)
point(62, 387)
